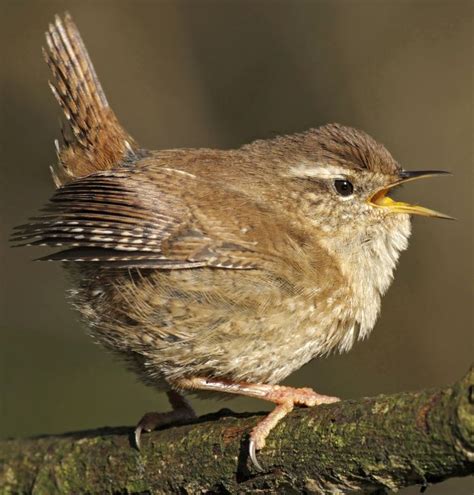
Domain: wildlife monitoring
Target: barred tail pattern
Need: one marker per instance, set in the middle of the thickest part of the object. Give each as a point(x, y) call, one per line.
point(94, 140)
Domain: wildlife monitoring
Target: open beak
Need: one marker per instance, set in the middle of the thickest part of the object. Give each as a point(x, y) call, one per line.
point(380, 199)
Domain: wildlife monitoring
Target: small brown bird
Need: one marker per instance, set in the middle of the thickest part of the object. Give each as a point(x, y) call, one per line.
point(218, 270)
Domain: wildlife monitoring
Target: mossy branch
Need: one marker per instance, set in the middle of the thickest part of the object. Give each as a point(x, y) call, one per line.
point(357, 446)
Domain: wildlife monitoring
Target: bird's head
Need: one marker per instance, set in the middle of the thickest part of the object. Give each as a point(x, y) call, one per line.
point(344, 179)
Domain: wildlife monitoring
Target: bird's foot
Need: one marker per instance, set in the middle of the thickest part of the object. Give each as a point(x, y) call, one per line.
point(182, 411)
point(285, 398)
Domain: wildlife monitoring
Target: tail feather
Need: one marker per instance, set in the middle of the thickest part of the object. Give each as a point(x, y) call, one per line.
point(98, 141)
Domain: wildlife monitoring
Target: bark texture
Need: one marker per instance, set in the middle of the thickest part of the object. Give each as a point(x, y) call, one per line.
point(371, 445)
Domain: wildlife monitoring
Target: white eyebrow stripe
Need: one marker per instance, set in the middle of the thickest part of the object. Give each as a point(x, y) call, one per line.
point(321, 171)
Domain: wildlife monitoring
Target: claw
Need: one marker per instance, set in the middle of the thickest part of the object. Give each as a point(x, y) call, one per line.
point(138, 434)
point(145, 424)
point(253, 455)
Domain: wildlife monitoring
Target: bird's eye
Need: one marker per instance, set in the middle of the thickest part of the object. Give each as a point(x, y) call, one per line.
point(343, 187)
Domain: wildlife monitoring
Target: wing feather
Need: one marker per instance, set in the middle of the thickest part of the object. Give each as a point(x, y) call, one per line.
point(125, 220)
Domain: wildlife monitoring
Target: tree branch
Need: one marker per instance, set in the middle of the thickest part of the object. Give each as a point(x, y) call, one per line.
point(366, 446)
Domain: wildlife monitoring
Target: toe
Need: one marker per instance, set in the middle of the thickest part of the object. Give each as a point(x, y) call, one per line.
point(148, 423)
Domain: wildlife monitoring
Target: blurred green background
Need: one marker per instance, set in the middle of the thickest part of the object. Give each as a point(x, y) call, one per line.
point(219, 74)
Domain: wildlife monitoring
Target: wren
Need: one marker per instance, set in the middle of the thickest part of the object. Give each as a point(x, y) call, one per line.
point(218, 270)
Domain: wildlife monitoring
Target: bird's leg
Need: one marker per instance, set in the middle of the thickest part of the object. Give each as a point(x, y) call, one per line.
point(181, 411)
point(285, 399)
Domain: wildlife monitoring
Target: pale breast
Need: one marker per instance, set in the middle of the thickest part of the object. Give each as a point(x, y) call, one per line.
point(241, 325)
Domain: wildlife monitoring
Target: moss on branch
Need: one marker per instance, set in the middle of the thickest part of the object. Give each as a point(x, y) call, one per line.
point(368, 445)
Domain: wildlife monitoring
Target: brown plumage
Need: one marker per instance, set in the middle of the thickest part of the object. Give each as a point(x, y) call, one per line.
point(212, 270)
point(99, 141)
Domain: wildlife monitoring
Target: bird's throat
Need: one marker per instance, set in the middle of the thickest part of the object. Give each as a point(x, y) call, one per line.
point(367, 261)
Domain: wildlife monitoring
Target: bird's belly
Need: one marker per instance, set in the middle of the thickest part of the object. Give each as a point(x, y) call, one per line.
point(173, 331)
point(284, 340)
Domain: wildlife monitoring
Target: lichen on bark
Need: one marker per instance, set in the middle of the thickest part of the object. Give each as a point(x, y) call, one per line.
point(370, 445)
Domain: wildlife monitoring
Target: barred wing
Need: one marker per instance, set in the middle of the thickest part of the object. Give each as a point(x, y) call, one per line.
point(139, 220)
